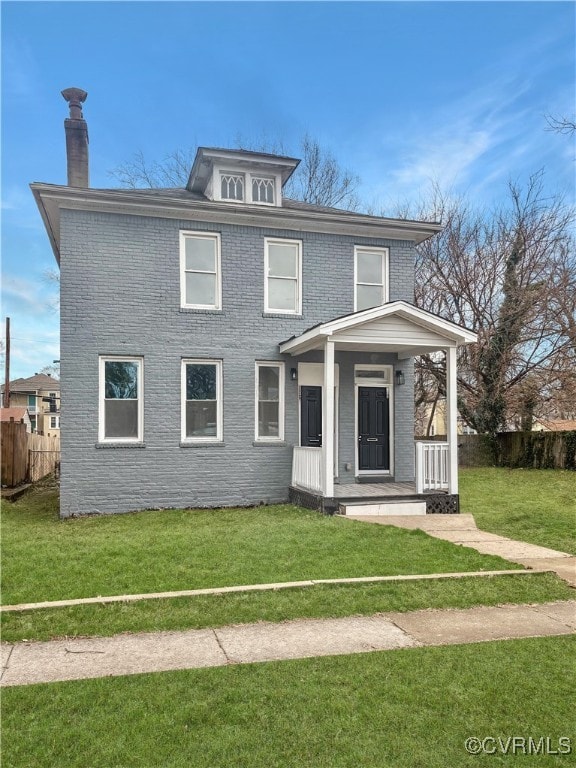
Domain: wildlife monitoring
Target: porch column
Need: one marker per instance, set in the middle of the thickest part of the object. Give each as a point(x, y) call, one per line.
point(328, 419)
point(452, 419)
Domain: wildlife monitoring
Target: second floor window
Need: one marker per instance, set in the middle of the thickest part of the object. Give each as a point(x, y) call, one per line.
point(200, 281)
point(283, 276)
point(371, 277)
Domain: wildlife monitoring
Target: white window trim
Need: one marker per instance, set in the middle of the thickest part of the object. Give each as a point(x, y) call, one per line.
point(281, 385)
point(215, 188)
point(215, 236)
point(103, 359)
point(272, 310)
point(218, 438)
point(57, 420)
point(239, 174)
point(385, 253)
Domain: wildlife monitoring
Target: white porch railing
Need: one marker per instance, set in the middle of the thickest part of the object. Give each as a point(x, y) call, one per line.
point(307, 469)
point(432, 467)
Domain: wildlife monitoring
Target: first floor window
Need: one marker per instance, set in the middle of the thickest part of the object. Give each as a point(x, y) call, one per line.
point(120, 399)
point(269, 401)
point(54, 422)
point(371, 270)
point(201, 400)
point(283, 276)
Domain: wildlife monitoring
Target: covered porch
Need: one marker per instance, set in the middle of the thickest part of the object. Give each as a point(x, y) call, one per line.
point(396, 332)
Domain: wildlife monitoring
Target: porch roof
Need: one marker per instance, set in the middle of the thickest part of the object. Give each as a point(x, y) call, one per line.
point(397, 327)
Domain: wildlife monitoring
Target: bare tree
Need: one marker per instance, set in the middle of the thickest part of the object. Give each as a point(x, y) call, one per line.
point(508, 274)
point(565, 125)
point(318, 179)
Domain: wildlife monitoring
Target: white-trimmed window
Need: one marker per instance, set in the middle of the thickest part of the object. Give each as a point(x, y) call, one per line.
point(200, 276)
point(121, 398)
point(201, 400)
point(54, 422)
point(269, 402)
point(370, 277)
point(283, 276)
point(263, 189)
point(231, 186)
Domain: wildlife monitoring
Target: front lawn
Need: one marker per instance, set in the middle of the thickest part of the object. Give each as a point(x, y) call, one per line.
point(49, 559)
point(411, 708)
point(533, 505)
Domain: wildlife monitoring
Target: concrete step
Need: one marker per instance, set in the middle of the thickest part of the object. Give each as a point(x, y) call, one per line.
point(393, 507)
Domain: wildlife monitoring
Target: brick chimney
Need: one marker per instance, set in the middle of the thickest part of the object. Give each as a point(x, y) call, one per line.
point(76, 139)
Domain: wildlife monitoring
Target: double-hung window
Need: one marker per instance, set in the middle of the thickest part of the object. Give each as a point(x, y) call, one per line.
point(269, 402)
point(121, 399)
point(371, 277)
point(201, 400)
point(283, 276)
point(200, 278)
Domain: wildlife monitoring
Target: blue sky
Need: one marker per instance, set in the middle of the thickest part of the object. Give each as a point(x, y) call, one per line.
point(402, 93)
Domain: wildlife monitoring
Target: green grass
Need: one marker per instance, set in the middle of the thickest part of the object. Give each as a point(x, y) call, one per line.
point(533, 505)
point(397, 709)
point(49, 559)
point(321, 601)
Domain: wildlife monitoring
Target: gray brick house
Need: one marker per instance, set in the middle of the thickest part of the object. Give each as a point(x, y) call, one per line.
point(212, 337)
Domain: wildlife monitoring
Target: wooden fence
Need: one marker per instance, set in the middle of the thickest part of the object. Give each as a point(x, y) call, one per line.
point(26, 456)
point(531, 450)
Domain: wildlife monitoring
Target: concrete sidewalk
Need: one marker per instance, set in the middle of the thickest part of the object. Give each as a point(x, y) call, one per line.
point(461, 529)
point(74, 659)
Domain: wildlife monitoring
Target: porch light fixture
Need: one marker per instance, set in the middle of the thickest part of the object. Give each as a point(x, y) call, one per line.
point(293, 374)
point(399, 378)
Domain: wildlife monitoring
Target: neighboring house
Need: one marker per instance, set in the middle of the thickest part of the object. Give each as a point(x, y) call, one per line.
point(432, 417)
point(554, 425)
point(40, 395)
point(17, 414)
point(222, 345)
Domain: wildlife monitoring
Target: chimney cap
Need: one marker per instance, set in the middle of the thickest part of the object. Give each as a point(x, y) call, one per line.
point(75, 98)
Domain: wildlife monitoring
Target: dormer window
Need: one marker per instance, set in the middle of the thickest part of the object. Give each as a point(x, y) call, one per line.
point(262, 190)
point(232, 186)
point(240, 176)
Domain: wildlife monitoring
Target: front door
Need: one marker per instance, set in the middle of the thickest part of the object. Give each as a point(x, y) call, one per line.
point(311, 416)
point(373, 429)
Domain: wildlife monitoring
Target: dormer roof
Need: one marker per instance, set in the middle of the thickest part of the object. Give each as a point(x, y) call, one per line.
point(206, 157)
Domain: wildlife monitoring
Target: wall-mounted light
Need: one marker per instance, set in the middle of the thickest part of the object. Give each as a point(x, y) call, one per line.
point(399, 378)
point(293, 374)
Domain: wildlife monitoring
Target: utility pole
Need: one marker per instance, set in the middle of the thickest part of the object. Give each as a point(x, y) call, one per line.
point(7, 367)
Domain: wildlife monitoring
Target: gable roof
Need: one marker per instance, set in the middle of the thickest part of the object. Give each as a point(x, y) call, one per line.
point(416, 332)
point(557, 425)
point(17, 413)
point(38, 381)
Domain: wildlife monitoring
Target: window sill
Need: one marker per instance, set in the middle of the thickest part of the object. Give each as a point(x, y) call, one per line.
point(269, 444)
point(283, 315)
point(120, 445)
point(203, 444)
point(200, 311)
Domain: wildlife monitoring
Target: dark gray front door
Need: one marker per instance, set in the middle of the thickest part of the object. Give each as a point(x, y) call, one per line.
point(311, 416)
point(373, 429)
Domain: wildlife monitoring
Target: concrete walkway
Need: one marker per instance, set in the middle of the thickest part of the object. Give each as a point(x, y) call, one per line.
point(462, 529)
point(80, 658)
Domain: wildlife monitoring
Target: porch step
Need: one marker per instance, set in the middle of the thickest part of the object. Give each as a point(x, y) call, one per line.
point(392, 507)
